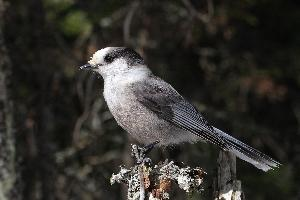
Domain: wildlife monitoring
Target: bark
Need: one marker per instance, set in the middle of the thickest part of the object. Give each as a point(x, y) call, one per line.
point(226, 186)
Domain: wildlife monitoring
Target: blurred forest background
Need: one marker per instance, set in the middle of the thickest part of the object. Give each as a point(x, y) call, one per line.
point(237, 61)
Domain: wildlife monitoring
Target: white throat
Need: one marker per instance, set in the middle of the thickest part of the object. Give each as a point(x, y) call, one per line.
point(117, 86)
point(128, 75)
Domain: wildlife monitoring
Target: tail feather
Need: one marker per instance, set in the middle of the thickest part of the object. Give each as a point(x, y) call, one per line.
point(247, 153)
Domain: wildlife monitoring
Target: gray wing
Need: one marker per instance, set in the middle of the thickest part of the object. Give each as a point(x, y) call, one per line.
point(162, 99)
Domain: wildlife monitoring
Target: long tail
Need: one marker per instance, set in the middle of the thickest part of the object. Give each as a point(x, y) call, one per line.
point(247, 153)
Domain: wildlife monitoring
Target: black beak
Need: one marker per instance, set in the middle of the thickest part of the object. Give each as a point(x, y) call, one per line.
point(88, 66)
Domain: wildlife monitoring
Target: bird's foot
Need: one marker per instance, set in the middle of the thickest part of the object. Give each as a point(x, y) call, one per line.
point(149, 147)
point(140, 152)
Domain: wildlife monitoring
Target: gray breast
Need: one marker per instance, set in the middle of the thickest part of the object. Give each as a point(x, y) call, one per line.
point(132, 116)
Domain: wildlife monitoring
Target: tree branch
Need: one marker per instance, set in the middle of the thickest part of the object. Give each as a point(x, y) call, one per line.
point(127, 22)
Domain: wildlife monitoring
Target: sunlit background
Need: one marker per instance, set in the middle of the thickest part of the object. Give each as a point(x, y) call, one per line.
point(238, 62)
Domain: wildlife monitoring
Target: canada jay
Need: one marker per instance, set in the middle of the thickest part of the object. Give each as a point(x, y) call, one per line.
point(152, 110)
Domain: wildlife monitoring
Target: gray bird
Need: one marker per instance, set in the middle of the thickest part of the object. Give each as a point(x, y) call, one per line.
point(151, 110)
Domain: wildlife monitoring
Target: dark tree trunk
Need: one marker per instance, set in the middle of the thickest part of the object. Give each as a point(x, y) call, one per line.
point(8, 174)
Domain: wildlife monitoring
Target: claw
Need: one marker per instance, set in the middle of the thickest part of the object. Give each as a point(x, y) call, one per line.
point(140, 152)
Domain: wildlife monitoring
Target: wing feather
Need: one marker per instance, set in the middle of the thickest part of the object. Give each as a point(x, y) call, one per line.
point(162, 99)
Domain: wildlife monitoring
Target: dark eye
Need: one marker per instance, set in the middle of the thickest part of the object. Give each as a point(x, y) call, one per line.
point(108, 58)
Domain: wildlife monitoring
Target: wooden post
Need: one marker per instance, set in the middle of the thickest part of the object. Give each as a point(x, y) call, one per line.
point(226, 186)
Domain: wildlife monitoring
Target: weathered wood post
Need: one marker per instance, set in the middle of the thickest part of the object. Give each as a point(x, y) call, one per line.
point(226, 186)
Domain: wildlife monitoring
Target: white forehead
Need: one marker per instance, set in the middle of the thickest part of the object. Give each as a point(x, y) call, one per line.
point(98, 56)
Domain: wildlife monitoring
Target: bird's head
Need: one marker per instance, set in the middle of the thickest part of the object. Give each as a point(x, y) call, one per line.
point(114, 60)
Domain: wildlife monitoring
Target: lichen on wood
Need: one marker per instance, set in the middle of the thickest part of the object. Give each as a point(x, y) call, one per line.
point(148, 181)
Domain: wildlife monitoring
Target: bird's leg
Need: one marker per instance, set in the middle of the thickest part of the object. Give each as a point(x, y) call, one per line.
point(149, 147)
point(140, 152)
